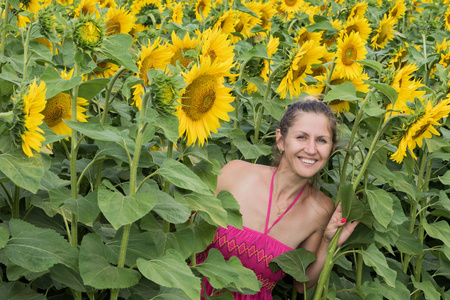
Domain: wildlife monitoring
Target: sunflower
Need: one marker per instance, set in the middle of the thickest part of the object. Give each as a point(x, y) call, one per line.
point(351, 48)
point(310, 10)
point(422, 126)
point(267, 12)
point(443, 47)
point(142, 9)
point(30, 5)
point(105, 69)
point(88, 33)
point(447, 19)
point(359, 25)
point(244, 23)
point(272, 47)
point(303, 36)
point(329, 39)
point(216, 45)
point(298, 66)
point(384, 33)
point(204, 101)
point(27, 128)
point(107, 4)
point(176, 15)
point(202, 9)
point(359, 10)
point(406, 88)
point(398, 10)
point(58, 108)
point(290, 7)
point(153, 56)
point(119, 20)
point(87, 7)
point(179, 47)
point(227, 21)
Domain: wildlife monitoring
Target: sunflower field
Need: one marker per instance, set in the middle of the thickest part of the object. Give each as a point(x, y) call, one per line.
point(117, 116)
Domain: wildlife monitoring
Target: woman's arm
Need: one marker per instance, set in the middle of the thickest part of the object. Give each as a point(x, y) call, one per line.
point(319, 242)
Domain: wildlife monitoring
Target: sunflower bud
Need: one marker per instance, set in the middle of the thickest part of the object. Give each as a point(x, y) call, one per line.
point(165, 91)
point(88, 33)
point(47, 24)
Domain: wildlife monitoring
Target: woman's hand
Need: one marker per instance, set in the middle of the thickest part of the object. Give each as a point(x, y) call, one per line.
point(337, 221)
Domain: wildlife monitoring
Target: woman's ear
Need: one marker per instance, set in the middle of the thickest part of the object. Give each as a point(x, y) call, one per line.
point(279, 140)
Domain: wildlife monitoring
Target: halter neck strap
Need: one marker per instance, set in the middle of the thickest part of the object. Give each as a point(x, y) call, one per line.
point(267, 229)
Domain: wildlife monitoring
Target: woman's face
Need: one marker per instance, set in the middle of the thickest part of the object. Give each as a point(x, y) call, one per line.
point(307, 145)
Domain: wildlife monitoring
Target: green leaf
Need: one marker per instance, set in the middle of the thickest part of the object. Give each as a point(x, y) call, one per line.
point(319, 26)
point(171, 271)
point(294, 263)
point(85, 208)
point(170, 209)
point(373, 257)
point(40, 52)
point(4, 237)
point(210, 205)
point(18, 291)
point(96, 270)
point(55, 84)
point(344, 92)
point(230, 204)
point(95, 131)
point(407, 243)
point(439, 230)
point(443, 201)
point(387, 90)
point(250, 151)
point(428, 289)
point(181, 176)
point(182, 241)
point(38, 249)
point(275, 109)
point(216, 270)
point(204, 236)
point(117, 47)
point(168, 123)
point(258, 51)
point(89, 89)
point(380, 203)
point(372, 64)
point(166, 293)
point(347, 196)
point(121, 210)
point(67, 277)
point(248, 283)
point(445, 179)
point(23, 171)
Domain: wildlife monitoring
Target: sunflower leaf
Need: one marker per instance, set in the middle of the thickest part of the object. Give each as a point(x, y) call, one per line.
point(387, 90)
point(294, 263)
point(116, 47)
point(91, 88)
point(55, 84)
point(342, 92)
point(372, 63)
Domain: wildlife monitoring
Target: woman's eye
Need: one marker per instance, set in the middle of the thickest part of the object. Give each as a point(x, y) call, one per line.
point(301, 137)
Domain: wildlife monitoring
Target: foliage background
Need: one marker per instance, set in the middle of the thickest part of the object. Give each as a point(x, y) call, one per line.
point(119, 205)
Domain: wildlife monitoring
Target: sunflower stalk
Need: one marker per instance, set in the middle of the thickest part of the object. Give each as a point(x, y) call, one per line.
point(15, 207)
point(108, 93)
point(73, 157)
point(166, 187)
point(132, 189)
point(322, 285)
point(25, 51)
point(4, 23)
point(266, 96)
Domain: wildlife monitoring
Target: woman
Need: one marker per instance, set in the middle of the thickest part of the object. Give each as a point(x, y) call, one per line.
point(281, 209)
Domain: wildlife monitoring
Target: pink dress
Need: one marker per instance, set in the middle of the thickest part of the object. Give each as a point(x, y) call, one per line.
point(255, 250)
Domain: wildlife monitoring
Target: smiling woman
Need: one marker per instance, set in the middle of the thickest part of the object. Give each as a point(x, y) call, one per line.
point(277, 201)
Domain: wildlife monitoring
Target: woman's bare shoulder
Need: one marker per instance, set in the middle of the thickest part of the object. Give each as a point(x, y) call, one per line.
point(322, 204)
point(237, 171)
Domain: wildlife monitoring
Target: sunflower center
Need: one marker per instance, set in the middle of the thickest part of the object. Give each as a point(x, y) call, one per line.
point(201, 7)
point(421, 131)
point(113, 27)
point(212, 54)
point(179, 56)
point(349, 56)
point(352, 28)
point(57, 108)
point(90, 32)
point(199, 96)
point(290, 2)
point(338, 81)
point(299, 72)
point(382, 36)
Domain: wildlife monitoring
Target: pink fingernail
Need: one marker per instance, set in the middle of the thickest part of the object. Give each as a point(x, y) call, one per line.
point(344, 220)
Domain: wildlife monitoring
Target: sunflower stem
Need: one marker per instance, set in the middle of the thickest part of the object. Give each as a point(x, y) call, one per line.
point(108, 93)
point(132, 190)
point(166, 187)
point(266, 96)
point(3, 36)
point(25, 51)
point(73, 157)
point(427, 73)
point(330, 73)
point(16, 203)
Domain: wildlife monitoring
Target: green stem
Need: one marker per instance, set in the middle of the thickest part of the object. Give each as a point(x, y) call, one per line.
point(330, 73)
point(166, 187)
point(322, 284)
point(359, 268)
point(25, 51)
point(5, 22)
point(266, 96)
point(16, 203)
point(108, 93)
point(424, 41)
point(7, 117)
point(132, 191)
point(73, 157)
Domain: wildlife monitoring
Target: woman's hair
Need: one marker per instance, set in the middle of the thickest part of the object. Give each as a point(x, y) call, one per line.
point(310, 104)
